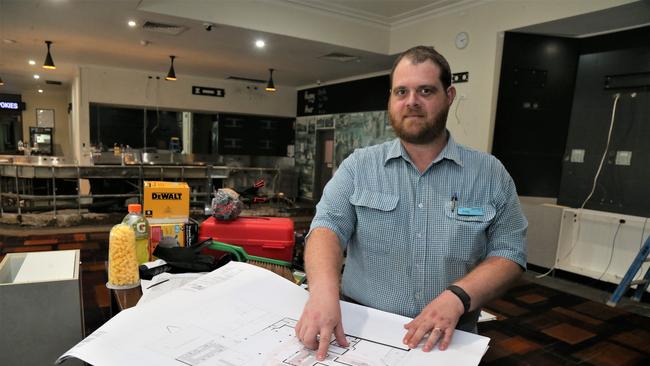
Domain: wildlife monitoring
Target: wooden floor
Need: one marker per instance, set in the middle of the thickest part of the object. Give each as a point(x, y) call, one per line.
point(543, 326)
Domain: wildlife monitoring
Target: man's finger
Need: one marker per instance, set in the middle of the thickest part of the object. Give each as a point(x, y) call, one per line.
point(433, 338)
point(446, 340)
point(298, 328)
point(408, 335)
point(417, 336)
point(325, 336)
point(340, 336)
point(308, 338)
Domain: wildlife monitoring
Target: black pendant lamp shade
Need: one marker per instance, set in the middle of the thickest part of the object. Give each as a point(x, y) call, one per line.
point(49, 63)
point(270, 86)
point(171, 75)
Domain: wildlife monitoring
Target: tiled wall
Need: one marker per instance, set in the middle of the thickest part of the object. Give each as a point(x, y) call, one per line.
point(351, 131)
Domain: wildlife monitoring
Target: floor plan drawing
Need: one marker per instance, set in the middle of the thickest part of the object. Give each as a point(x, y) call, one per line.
point(255, 342)
point(242, 315)
point(360, 352)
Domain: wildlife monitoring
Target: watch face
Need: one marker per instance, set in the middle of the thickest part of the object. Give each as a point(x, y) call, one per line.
point(462, 40)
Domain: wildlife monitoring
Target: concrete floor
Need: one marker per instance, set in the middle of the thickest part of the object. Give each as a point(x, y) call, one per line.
point(588, 292)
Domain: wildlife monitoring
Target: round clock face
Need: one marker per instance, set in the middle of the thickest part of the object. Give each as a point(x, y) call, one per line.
point(462, 40)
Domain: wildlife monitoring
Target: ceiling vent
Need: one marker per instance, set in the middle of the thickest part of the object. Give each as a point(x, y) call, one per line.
point(240, 78)
point(165, 28)
point(53, 82)
point(340, 57)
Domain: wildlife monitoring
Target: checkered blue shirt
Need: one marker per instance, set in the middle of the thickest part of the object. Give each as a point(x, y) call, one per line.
point(405, 239)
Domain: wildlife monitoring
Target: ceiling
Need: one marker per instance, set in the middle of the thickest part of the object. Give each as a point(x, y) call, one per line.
point(94, 32)
point(627, 16)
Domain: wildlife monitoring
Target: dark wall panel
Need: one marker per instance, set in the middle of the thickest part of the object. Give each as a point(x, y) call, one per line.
point(620, 188)
point(354, 96)
point(533, 110)
point(241, 134)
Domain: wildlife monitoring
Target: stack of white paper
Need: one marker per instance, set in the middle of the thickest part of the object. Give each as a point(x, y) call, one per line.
point(244, 315)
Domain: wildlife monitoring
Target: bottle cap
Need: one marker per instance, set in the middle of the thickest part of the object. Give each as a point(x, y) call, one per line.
point(135, 207)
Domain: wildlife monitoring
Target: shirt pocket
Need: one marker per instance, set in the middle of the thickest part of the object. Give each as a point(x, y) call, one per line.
point(468, 234)
point(376, 219)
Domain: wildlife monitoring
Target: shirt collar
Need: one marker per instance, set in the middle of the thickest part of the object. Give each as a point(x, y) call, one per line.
point(451, 151)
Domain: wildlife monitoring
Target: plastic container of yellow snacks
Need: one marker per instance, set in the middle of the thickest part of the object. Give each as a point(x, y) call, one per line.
point(122, 262)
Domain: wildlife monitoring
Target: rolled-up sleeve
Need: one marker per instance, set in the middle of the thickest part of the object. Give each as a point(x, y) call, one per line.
point(334, 210)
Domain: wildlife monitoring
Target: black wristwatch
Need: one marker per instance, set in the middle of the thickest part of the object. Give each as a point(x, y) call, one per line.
point(462, 295)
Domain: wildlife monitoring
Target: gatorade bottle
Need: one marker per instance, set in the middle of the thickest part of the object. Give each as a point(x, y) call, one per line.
point(141, 228)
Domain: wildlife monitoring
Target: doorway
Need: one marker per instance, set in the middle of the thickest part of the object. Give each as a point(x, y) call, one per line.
point(324, 161)
point(11, 131)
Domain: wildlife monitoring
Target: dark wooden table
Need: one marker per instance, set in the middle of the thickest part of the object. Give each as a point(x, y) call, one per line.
point(124, 299)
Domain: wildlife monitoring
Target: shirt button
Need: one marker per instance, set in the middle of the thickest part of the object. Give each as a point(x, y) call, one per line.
point(418, 235)
point(420, 205)
point(418, 295)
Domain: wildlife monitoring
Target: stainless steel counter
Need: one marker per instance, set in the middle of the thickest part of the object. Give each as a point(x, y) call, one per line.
point(19, 175)
point(58, 167)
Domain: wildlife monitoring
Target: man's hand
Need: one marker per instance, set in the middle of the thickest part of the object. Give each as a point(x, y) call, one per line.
point(437, 322)
point(320, 318)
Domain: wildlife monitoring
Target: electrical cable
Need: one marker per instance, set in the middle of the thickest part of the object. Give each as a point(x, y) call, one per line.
point(611, 253)
point(593, 189)
point(157, 107)
point(144, 114)
point(460, 99)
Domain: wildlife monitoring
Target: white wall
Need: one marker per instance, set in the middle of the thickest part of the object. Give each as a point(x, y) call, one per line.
point(600, 245)
point(482, 57)
point(135, 88)
point(49, 100)
point(130, 87)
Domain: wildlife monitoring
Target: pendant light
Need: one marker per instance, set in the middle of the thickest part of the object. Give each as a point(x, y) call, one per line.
point(1, 81)
point(270, 86)
point(171, 75)
point(49, 63)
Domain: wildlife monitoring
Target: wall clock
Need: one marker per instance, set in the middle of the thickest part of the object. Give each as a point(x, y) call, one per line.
point(462, 40)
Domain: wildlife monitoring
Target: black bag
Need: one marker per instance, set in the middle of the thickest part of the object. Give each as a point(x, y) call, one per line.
point(190, 259)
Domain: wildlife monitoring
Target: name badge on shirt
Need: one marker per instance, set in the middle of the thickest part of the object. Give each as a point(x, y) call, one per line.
point(470, 211)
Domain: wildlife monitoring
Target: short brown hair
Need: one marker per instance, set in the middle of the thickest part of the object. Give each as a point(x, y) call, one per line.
point(420, 54)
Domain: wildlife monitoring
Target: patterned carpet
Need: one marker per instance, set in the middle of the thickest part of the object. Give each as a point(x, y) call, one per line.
point(541, 326)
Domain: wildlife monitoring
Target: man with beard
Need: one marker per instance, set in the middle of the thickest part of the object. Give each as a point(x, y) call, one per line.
point(433, 230)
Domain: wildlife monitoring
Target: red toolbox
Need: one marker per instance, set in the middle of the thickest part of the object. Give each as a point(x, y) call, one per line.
point(268, 237)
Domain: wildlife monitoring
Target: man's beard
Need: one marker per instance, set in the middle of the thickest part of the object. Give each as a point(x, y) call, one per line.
point(427, 133)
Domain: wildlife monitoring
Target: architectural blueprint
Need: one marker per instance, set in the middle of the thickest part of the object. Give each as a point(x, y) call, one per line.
point(241, 315)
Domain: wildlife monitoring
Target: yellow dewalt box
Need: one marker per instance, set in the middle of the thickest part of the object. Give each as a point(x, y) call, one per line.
point(166, 202)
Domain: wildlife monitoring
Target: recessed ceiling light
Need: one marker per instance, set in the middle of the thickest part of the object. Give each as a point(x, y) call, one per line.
point(36, 76)
point(40, 90)
point(260, 43)
point(132, 23)
point(31, 62)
